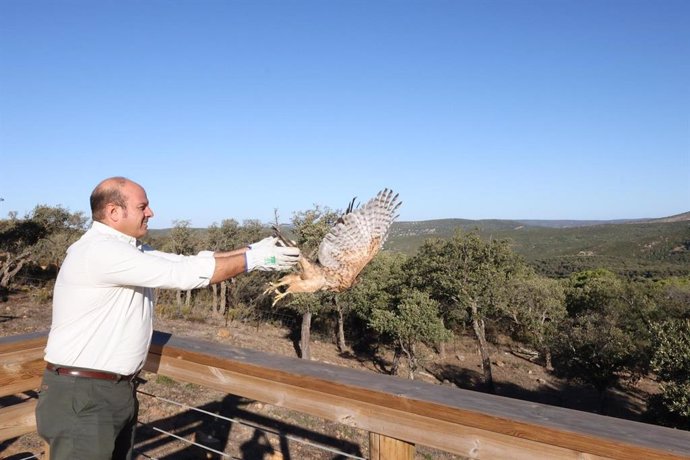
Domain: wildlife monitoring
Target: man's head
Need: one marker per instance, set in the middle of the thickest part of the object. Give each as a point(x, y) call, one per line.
point(123, 205)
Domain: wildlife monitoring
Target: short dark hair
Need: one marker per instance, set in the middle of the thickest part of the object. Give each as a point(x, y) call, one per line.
point(108, 191)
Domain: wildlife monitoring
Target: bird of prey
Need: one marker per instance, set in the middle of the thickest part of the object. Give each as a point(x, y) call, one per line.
point(347, 248)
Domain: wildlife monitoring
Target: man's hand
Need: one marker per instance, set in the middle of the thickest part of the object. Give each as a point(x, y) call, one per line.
point(268, 242)
point(266, 255)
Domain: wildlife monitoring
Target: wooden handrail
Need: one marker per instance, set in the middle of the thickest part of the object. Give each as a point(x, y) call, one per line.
point(468, 423)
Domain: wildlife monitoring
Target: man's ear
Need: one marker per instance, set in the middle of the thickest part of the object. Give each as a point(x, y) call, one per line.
point(113, 212)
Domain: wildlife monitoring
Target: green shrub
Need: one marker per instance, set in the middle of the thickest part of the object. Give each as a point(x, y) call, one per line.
point(671, 362)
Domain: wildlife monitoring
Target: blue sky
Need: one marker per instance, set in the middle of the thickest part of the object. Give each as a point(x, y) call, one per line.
point(231, 109)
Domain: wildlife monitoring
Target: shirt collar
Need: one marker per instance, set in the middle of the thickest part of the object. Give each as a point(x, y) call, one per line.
point(104, 229)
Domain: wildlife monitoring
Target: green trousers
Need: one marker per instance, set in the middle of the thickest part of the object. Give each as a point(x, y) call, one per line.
point(87, 419)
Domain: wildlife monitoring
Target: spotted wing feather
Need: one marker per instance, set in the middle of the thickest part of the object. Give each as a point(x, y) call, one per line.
point(354, 241)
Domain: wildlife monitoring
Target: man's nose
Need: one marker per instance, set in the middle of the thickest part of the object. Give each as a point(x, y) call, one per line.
point(149, 212)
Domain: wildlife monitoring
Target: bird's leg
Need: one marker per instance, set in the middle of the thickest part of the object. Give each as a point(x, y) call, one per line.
point(273, 287)
point(287, 280)
point(279, 296)
point(284, 281)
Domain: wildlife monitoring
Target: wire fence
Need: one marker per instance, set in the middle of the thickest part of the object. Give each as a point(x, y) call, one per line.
point(281, 434)
point(209, 451)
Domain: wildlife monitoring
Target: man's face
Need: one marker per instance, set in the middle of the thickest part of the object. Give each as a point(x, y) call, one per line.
point(134, 219)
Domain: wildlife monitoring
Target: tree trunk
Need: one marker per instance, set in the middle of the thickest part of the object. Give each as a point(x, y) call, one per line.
point(188, 302)
point(223, 298)
point(341, 327)
point(305, 337)
point(411, 360)
point(441, 346)
point(12, 267)
point(178, 299)
point(547, 358)
point(396, 361)
point(441, 349)
point(479, 331)
point(214, 304)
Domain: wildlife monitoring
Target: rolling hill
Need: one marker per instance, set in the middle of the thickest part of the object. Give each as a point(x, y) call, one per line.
point(650, 247)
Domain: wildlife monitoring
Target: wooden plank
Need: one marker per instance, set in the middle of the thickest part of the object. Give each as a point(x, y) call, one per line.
point(384, 448)
point(20, 378)
point(472, 424)
point(571, 430)
point(18, 419)
point(449, 437)
point(21, 371)
point(23, 341)
point(19, 357)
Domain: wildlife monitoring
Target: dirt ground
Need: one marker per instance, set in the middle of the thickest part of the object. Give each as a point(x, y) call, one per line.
point(252, 429)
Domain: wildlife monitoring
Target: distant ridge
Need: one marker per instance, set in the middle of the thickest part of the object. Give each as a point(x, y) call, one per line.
point(574, 223)
point(433, 225)
point(436, 225)
point(634, 247)
point(677, 218)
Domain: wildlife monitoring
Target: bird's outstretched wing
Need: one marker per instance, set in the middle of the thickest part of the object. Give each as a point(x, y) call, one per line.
point(355, 239)
point(358, 237)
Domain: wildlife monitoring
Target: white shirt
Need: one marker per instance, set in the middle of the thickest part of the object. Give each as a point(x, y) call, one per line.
point(103, 299)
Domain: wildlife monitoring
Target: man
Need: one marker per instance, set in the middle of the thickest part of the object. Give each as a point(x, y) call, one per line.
point(102, 320)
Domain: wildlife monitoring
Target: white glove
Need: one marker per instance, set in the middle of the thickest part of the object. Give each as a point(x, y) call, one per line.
point(269, 242)
point(267, 256)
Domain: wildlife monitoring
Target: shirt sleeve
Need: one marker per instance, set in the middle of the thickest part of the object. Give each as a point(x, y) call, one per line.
point(114, 263)
point(170, 256)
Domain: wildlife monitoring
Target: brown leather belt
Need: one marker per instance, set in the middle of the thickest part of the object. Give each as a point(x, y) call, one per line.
point(89, 373)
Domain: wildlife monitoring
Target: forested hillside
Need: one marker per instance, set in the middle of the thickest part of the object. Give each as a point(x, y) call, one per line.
point(652, 248)
point(655, 248)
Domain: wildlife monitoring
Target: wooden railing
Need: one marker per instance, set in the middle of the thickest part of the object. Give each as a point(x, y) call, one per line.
point(398, 413)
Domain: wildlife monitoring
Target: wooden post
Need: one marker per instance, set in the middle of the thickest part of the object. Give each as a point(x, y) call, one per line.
point(384, 448)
